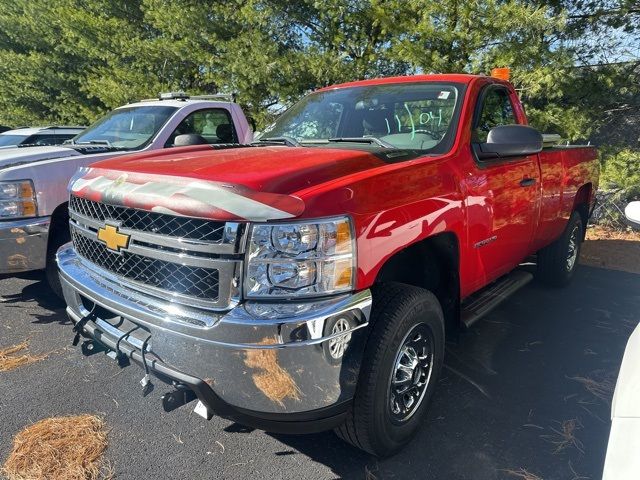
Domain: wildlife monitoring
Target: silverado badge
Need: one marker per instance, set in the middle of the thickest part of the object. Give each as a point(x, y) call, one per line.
point(112, 238)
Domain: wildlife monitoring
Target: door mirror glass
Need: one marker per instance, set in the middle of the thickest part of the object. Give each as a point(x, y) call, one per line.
point(632, 212)
point(507, 141)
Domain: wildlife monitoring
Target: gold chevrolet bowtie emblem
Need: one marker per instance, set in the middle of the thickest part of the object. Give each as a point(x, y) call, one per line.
point(113, 239)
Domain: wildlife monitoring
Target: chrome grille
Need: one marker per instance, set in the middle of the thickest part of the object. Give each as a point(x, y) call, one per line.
point(152, 222)
point(196, 282)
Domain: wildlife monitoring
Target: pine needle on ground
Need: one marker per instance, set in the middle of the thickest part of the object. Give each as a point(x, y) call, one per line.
point(60, 448)
point(522, 474)
point(601, 384)
point(565, 438)
point(270, 378)
point(11, 358)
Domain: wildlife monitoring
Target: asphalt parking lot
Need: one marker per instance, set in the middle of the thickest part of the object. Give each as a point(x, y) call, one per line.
point(512, 399)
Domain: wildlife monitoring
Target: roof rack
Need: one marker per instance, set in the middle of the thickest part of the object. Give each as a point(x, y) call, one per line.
point(180, 95)
point(173, 96)
point(227, 97)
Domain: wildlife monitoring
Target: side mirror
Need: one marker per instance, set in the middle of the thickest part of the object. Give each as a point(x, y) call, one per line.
point(509, 141)
point(632, 212)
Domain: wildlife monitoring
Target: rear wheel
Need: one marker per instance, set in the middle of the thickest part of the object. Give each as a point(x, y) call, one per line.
point(400, 369)
point(557, 262)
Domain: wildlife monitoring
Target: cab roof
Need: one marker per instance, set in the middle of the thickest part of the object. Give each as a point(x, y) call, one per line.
point(448, 77)
point(175, 103)
point(179, 99)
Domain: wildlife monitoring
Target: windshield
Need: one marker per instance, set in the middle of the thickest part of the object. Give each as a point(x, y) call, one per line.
point(127, 128)
point(7, 140)
point(418, 116)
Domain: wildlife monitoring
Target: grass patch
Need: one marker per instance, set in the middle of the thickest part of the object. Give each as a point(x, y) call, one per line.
point(61, 448)
point(16, 356)
point(612, 249)
point(597, 232)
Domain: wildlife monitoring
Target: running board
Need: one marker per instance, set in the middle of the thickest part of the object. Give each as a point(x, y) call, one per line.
point(482, 302)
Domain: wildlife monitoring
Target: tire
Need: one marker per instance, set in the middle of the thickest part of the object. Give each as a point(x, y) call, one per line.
point(399, 312)
point(58, 235)
point(557, 262)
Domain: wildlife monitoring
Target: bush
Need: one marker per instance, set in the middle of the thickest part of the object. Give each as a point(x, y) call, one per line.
point(621, 170)
point(619, 185)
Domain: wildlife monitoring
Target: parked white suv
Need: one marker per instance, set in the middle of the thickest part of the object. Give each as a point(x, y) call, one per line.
point(33, 181)
point(38, 136)
point(623, 459)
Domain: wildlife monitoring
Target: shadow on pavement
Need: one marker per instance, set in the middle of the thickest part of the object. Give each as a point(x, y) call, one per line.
point(40, 293)
point(527, 389)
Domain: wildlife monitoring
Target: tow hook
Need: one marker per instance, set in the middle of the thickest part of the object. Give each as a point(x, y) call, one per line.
point(79, 327)
point(90, 347)
point(177, 398)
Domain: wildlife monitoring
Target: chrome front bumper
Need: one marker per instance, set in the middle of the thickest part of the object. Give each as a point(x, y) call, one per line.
point(23, 244)
point(266, 358)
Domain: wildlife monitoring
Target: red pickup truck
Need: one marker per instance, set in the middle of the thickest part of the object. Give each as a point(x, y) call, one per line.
point(308, 281)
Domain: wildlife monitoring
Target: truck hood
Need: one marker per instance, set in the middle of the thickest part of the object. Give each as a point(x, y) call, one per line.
point(272, 169)
point(252, 183)
point(12, 157)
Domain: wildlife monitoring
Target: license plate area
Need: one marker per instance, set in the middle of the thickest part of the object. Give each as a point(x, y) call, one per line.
point(135, 338)
point(117, 326)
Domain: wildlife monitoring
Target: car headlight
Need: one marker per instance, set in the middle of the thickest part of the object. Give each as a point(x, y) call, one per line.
point(17, 199)
point(300, 259)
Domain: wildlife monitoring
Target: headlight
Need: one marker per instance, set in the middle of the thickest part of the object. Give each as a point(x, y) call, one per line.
point(17, 199)
point(300, 259)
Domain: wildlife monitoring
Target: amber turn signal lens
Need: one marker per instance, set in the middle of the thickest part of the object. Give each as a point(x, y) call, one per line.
point(343, 237)
point(28, 208)
point(26, 190)
point(344, 272)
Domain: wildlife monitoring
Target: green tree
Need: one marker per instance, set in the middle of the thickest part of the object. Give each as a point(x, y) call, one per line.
point(63, 60)
point(71, 60)
point(34, 69)
point(241, 47)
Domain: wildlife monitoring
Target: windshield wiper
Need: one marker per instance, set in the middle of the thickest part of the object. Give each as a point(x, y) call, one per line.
point(371, 140)
point(95, 142)
point(27, 145)
point(284, 140)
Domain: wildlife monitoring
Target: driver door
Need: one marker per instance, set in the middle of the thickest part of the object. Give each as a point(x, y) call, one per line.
point(503, 194)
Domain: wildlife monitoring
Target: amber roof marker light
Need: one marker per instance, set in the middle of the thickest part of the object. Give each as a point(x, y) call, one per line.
point(503, 73)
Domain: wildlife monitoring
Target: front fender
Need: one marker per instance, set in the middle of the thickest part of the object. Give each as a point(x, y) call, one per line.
point(393, 208)
point(50, 177)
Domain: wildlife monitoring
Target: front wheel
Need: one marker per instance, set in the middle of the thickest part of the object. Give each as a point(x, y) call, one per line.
point(400, 369)
point(557, 262)
point(58, 235)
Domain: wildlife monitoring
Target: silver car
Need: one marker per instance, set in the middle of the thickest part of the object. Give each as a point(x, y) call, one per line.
point(38, 136)
point(33, 180)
